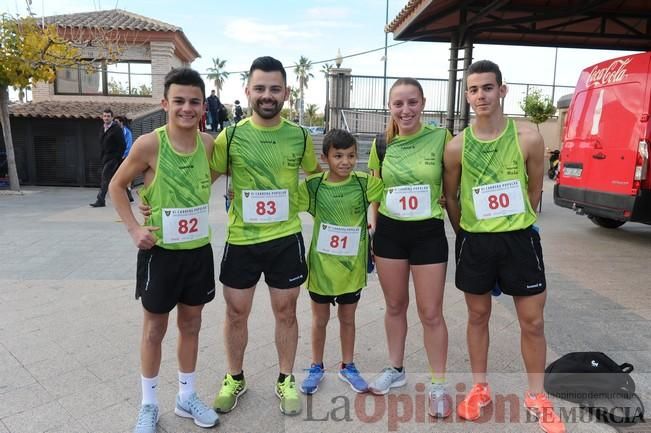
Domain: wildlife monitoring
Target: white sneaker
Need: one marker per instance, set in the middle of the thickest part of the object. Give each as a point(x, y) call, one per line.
point(387, 379)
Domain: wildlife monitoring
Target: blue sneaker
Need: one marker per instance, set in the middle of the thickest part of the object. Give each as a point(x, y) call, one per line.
point(350, 375)
point(196, 409)
point(314, 377)
point(147, 419)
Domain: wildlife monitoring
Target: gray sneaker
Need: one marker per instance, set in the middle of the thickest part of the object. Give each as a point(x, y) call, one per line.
point(196, 409)
point(440, 401)
point(387, 379)
point(147, 419)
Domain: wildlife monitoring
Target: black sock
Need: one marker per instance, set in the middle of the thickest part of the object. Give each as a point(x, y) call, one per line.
point(281, 377)
point(239, 376)
point(399, 369)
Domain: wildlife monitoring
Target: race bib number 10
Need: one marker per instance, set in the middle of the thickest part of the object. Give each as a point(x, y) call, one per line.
point(409, 201)
point(185, 224)
point(338, 240)
point(498, 199)
point(265, 206)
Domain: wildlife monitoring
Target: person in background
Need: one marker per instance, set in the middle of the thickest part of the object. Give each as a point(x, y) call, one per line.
point(214, 105)
point(112, 145)
point(128, 138)
point(238, 113)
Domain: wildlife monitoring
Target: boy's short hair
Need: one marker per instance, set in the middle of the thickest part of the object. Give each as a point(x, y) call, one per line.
point(338, 139)
point(483, 66)
point(268, 64)
point(184, 77)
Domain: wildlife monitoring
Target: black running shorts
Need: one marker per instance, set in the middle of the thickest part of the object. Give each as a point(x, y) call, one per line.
point(281, 260)
point(344, 299)
point(420, 242)
point(165, 278)
point(513, 259)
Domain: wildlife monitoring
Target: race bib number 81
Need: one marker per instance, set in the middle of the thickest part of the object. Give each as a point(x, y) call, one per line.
point(338, 240)
point(265, 206)
point(498, 199)
point(185, 224)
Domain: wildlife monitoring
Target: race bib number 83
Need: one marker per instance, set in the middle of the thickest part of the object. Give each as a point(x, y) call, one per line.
point(265, 206)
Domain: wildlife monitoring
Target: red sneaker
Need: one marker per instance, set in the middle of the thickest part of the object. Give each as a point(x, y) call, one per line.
point(471, 406)
point(540, 407)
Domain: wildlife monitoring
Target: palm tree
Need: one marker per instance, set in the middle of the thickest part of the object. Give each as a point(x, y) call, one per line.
point(303, 75)
point(325, 69)
point(294, 96)
point(310, 112)
point(244, 76)
point(217, 73)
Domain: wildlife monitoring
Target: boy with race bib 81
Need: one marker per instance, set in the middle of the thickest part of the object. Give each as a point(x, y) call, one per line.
point(338, 200)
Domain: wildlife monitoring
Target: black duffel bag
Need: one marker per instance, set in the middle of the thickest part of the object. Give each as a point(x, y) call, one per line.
point(598, 384)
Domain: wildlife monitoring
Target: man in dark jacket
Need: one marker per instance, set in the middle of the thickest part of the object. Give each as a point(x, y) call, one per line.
point(112, 144)
point(213, 107)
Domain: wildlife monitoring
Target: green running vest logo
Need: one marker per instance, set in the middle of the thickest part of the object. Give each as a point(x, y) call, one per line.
point(186, 167)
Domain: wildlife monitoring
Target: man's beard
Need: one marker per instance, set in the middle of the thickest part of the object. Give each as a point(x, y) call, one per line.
point(268, 114)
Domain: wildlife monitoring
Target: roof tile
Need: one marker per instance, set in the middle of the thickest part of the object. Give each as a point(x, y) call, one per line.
point(111, 19)
point(81, 109)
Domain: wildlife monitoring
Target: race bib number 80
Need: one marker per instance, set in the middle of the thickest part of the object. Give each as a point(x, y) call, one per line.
point(498, 199)
point(265, 206)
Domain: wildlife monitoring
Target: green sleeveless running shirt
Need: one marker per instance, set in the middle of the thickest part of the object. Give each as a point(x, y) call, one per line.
point(339, 209)
point(179, 195)
point(494, 184)
point(414, 160)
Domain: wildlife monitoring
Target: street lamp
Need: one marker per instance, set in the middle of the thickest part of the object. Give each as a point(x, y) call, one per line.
point(339, 59)
point(384, 82)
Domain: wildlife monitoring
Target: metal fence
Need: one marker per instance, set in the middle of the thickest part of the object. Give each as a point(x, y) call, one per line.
point(366, 94)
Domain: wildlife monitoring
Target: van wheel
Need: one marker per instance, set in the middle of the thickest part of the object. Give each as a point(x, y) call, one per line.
point(605, 222)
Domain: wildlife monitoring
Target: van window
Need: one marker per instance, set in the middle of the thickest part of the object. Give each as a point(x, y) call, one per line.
point(620, 110)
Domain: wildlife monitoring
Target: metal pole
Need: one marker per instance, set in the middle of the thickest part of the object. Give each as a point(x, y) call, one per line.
point(554, 80)
point(386, 41)
point(452, 80)
point(467, 60)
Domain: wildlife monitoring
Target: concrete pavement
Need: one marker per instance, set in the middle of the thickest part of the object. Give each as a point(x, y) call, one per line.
point(69, 329)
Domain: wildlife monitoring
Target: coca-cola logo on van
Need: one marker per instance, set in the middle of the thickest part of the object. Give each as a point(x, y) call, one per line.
point(612, 73)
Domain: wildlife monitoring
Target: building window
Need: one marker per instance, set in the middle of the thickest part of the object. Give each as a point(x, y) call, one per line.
point(117, 79)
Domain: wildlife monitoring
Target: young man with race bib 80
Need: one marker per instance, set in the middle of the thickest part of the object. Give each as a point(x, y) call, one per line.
point(497, 169)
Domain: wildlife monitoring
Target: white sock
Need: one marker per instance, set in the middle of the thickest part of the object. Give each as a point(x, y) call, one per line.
point(149, 386)
point(186, 384)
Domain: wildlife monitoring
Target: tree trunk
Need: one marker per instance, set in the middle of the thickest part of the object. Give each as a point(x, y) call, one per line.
point(300, 111)
point(14, 184)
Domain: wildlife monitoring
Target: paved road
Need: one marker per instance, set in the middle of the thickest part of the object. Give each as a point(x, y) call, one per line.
point(69, 329)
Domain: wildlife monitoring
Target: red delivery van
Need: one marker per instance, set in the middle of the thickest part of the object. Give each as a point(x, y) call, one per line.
point(604, 171)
